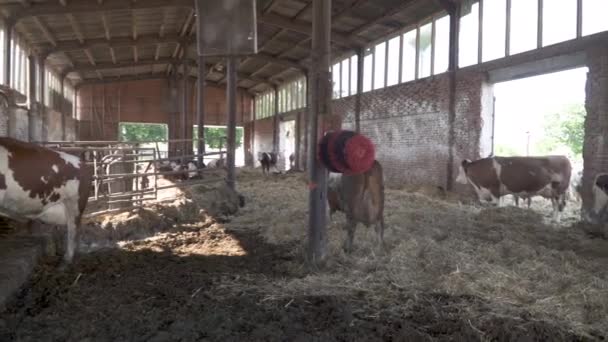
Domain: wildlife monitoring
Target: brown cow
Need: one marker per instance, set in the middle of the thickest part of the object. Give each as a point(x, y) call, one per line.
point(361, 198)
point(37, 183)
point(495, 177)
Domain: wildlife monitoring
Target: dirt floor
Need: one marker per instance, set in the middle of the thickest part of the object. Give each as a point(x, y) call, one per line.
point(452, 272)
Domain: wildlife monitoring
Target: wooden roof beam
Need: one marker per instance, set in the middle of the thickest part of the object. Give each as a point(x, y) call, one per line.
point(387, 14)
point(87, 6)
point(119, 65)
point(75, 45)
point(305, 28)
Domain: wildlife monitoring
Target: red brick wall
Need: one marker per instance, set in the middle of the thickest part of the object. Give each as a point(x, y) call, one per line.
point(101, 107)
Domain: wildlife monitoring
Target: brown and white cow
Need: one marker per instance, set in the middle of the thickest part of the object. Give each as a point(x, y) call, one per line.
point(599, 212)
point(37, 183)
point(494, 177)
point(361, 198)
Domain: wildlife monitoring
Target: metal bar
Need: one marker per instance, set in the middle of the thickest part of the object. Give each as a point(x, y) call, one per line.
point(184, 116)
point(480, 33)
point(539, 37)
point(110, 142)
point(433, 38)
point(200, 108)
point(61, 85)
point(508, 30)
point(400, 58)
point(162, 173)
point(385, 63)
point(453, 67)
point(417, 71)
point(320, 99)
point(360, 57)
point(231, 99)
point(579, 18)
point(8, 32)
point(275, 122)
point(95, 174)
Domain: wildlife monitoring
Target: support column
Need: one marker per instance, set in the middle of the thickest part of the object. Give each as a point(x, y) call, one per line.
point(42, 99)
point(8, 33)
point(595, 148)
point(275, 122)
point(200, 109)
point(320, 101)
point(231, 67)
point(360, 57)
point(32, 86)
point(62, 107)
point(452, 68)
point(184, 116)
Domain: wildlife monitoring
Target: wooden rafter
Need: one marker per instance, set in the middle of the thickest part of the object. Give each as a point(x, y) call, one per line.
point(87, 6)
point(387, 14)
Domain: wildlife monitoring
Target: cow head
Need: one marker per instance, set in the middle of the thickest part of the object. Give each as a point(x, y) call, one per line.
point(599, 211)
point(462, 172)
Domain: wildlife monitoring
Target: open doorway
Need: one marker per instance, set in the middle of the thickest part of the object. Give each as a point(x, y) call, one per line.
point(215, 142)
point(541, 115)
point(287, 143)
point(151, 132)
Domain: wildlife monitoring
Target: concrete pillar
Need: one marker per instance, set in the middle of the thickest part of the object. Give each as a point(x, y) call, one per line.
point(595, 148)
point(184, 116)
point(42, 99)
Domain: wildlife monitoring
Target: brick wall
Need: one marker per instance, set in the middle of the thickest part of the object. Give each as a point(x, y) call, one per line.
point(409, 124)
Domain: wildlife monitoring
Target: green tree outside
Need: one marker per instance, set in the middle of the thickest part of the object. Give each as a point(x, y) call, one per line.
point(214, 137)
point(565, 128)
point(129, 131)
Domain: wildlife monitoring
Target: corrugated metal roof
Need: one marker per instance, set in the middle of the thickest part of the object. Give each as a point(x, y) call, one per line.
point(363, 21)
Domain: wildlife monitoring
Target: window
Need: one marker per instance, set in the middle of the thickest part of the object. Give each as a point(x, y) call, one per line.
point(345, 74)
point(524, 29)
point(379, 65)
point(425, 46)
point(408, 68)
point(392, 76)
point(442, 44)
point(494, 29)
point(594, 16)
point(335, 75)
point(353, 74)
point(469, 34)
point(559, 21)
point(368, 71)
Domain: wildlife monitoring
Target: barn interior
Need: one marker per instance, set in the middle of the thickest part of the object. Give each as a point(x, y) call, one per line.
point(168, 253)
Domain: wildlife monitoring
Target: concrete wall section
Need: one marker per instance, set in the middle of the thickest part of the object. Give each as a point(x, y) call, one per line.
point(595, 149)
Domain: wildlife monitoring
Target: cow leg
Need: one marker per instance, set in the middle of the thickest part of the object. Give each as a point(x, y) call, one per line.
point(71, 218)
point(516, 200)
point(380, 233)
point(350, 227)
point(529, 199)
point(556, 211)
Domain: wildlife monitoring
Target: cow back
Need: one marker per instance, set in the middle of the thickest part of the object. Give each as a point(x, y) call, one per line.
point(532, 174)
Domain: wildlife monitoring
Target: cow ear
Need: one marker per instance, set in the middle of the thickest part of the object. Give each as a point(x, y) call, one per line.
point(466, 162)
